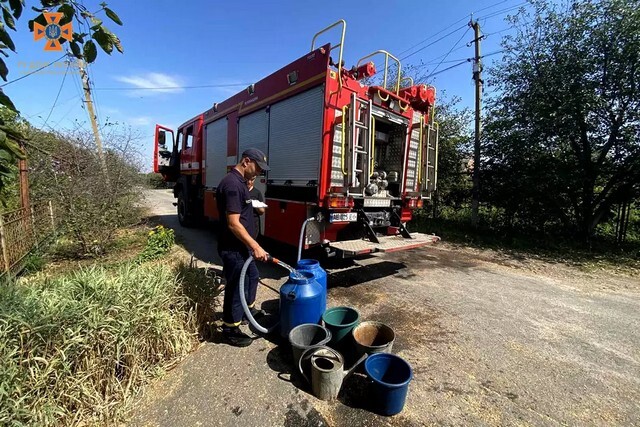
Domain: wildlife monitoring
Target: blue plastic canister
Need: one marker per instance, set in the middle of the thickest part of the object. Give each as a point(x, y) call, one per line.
point(391, 375)
point(319, 273)
point(302, 300)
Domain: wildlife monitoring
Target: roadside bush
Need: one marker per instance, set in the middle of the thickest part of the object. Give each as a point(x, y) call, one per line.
point(159, 242)
point(90, 205)
point(155, 180)
point(76, 349)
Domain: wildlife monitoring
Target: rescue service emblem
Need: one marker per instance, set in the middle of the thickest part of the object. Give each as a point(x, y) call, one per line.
point(53, 31)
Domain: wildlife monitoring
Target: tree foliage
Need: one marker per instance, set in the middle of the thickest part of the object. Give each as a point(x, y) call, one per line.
point(453, 131)
point(454, 152)
point(64, 167)
point(563, 133)
point(10, 152)
point(82, 46)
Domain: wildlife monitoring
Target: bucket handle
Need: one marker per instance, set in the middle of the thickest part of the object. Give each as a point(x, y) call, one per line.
point(305, 352)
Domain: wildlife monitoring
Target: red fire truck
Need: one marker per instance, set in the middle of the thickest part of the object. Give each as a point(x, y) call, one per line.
point(349, 161)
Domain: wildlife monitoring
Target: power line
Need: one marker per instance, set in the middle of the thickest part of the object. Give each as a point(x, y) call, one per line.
point(65, 115)
point(435, 60)
point(489, 7)
point(451, 50)
point(448, 68)
point(450, 26)
point(498, 32)
point(433, 35)
point(501, 11)
point(463, 59)
point(172, 87)
point(451, 61)
point(58, 95)
point(33, 72)
point(492, 53)
point(434, 42)
point(77, 83)
point(45, 110)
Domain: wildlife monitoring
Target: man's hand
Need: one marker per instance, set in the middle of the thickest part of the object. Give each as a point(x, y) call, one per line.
point(260, 254)
point(238, 230)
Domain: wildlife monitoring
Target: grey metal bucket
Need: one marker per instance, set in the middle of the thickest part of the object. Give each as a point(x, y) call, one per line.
point(373, 337)
point(306, 336)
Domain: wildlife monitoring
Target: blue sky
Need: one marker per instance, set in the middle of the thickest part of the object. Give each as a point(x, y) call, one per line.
point(205, 42)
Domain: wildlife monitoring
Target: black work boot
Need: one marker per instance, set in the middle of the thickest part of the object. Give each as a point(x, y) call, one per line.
point(235, 337)
point(255, 313)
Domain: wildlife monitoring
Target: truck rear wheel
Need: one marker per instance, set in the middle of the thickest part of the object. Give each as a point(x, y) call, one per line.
point(185, 217)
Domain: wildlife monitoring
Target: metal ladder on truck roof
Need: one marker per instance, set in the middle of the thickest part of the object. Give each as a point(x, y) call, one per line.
point(360, 145)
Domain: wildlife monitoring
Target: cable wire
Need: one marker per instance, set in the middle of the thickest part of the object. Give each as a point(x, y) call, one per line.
point(501, 11)
point(33, 72)
point(433, 35)
point(45, 110)
point(58, 95)
point(173, 87)
point(451, 50)
point(450, 26)
point(448, 68)
point(493, 53)
point(434, 42)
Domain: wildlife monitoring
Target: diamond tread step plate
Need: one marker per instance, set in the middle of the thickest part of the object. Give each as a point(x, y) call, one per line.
point(387, 244)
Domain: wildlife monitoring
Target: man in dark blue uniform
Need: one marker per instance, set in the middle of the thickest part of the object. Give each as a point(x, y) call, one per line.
point(235, 240)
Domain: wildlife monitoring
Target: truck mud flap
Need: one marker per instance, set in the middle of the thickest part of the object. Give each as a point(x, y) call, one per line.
point(350, 248)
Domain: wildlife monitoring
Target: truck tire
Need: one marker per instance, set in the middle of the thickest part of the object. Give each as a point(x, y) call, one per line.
point(185, 217)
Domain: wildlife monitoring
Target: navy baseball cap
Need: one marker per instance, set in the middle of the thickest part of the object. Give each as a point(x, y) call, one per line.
point(258, 156)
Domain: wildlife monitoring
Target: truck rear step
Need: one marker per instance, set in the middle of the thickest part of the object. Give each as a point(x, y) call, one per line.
point(387, 244)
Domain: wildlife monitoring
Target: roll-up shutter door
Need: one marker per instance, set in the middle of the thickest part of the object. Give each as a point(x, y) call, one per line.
point(216, 158)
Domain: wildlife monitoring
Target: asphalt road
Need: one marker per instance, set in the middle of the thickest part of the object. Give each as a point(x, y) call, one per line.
point(492, 341)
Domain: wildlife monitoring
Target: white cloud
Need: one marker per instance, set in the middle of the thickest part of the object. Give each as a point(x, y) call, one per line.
point(139, 121)
point(110, 110)
point(152, 83)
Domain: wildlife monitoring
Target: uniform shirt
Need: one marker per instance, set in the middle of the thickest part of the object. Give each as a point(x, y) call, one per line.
point(256, 195)
point(232, 196)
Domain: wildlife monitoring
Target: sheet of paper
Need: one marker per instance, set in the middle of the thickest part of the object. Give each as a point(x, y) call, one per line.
point(258, 204)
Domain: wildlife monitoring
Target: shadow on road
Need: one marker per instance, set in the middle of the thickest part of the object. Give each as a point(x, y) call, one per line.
point(280, 360)
point(355, 391)
point(363, 273)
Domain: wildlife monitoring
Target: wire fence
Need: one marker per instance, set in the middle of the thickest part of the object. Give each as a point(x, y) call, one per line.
point(21, 231)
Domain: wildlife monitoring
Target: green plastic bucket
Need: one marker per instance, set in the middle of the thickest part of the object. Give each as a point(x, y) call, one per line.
point(340, 321)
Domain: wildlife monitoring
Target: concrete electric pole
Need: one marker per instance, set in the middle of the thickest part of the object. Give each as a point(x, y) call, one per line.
point(94, 124)
point(477, 77)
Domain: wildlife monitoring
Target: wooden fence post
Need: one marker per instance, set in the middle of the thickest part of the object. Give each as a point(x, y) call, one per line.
point(5, 255)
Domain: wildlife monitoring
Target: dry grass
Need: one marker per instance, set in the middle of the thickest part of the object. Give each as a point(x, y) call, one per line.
point(76, 349)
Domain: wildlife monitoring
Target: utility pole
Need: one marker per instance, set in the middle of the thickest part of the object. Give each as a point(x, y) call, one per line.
point(94, 124)
point(477, 77)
